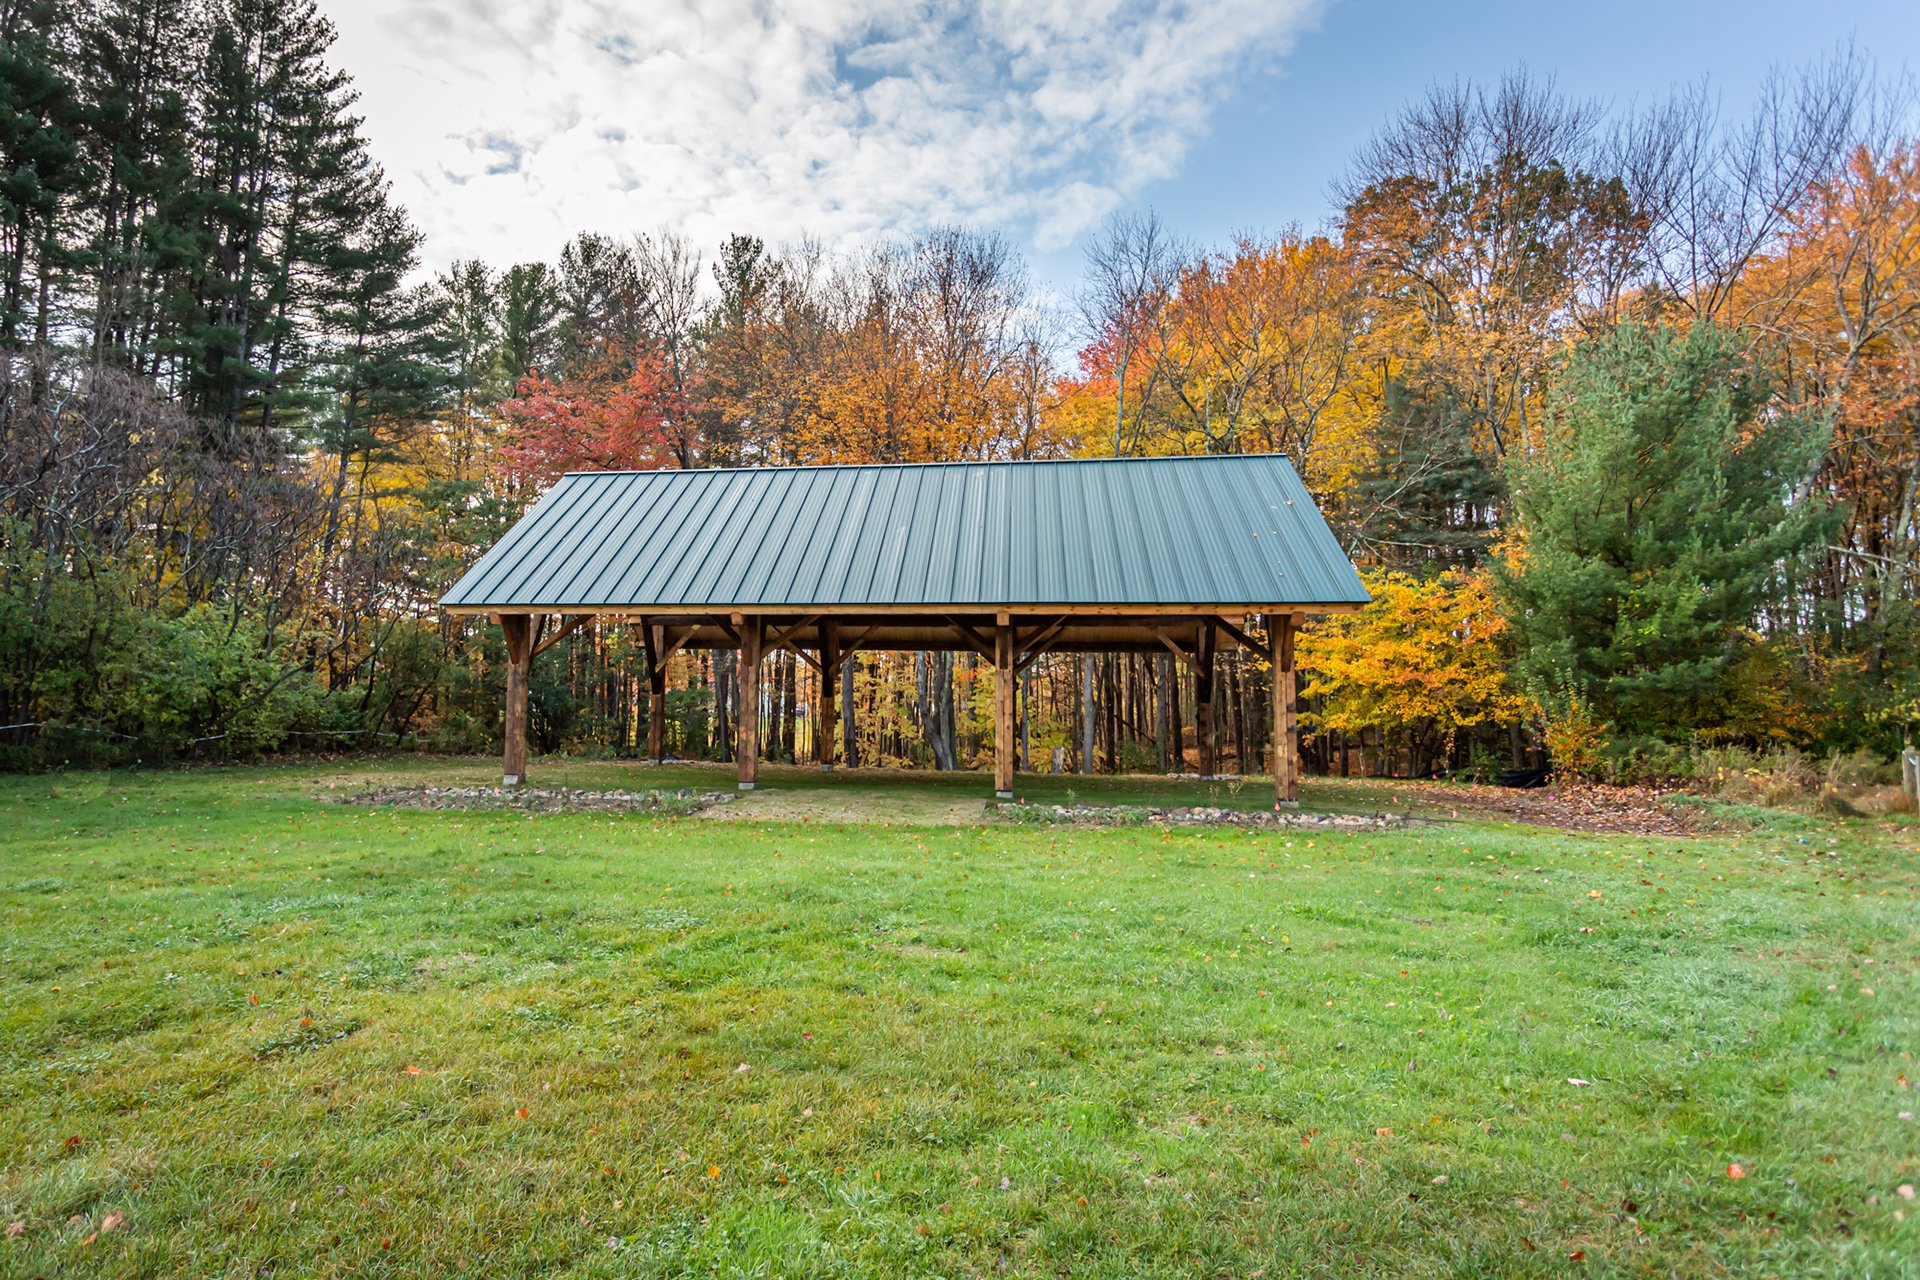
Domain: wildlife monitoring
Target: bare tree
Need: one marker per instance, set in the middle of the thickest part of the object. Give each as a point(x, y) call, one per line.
point(1718, 196)
point(1132, 265)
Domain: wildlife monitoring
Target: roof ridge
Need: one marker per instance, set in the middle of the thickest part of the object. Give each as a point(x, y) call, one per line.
point(958, 462)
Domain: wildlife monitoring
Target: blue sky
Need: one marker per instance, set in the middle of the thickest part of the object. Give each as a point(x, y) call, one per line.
point(1300, 118)
point(507, 125)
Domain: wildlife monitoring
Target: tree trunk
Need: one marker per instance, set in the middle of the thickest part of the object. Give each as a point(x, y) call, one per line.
point(1086, 714)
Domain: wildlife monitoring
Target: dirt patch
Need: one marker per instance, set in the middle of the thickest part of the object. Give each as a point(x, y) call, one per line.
point(538, 799)
point(1585, 807)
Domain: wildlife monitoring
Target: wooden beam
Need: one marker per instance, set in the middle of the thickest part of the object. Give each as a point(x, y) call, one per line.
point(782, 638)
point(1035, 644)
point(1003, 693)
point(1173, 646)
point(1204, 727)
point(1240, 637)
point(519, 631)
point(747, 710)
point(974, 640)
point(572, 625)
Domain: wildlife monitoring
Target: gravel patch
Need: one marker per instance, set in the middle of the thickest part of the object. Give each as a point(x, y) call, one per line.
point(540, 799)
point(1169, 816)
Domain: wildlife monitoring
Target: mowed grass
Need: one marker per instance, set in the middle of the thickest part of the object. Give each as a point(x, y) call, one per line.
point(279, 1036)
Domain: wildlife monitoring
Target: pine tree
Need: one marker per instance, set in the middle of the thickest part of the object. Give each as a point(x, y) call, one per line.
point(1430, 500)
point(529, 320)
point(40, 118)
point(282, 167)
point(601, 307)
point(1664, 507)
point(136, 74)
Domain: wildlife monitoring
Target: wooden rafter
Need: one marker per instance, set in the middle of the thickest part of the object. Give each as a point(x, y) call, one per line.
point(1036, 644)
point(1246, 641)
point(572, 625)
point(782, 637)
point(979, 643)
point(673, 645)
point(1193, 663)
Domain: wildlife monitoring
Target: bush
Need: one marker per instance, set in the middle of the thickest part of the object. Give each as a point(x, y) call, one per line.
point(1576, 739)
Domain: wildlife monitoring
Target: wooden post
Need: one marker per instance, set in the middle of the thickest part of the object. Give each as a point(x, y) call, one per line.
point(1203, 726)
point(656, 693)
point(746, 716)
point(823, 703)
point(518, 629)
point(1286, 725)
point(1003, 686)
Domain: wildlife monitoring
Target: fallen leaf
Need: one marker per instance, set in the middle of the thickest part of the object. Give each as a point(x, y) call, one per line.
point(1904, 1191)
point(413, 1071)
point(713, 1171)
point(1735, 1171)
point(113, 1220)
point(15, 1230)
point(522, 1113)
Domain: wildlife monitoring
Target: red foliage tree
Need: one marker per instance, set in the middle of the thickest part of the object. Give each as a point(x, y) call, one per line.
point(622, 419)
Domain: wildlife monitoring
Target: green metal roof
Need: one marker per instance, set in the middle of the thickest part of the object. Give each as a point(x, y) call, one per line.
point(1216, 530)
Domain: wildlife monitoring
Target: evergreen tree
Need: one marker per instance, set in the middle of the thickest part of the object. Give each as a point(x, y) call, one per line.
point(529, 320)
point(1665, 505)
point(1430, 501)
point(282, 176)
point(729, 339)
point(468, 300)
point(600, 303)
point(136, 74)
point(40, 117)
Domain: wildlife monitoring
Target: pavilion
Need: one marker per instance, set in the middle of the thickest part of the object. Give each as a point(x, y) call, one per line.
point(1008, 560)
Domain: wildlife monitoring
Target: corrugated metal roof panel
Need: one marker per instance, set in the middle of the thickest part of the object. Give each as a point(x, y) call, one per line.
point(1218, 530)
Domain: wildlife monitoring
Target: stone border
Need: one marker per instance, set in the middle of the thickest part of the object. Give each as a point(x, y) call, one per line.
point(539, 799)
point(1122, 815)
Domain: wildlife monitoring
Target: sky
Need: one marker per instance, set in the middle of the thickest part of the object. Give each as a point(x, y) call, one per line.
point(508, 125)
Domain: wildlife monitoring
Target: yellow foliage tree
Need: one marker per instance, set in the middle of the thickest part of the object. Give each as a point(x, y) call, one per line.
point(1421, 663)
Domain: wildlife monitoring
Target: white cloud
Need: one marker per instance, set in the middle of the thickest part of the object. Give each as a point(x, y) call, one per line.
point(508, 125)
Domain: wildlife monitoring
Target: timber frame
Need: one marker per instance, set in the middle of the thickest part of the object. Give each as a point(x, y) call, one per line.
point(1011, 638)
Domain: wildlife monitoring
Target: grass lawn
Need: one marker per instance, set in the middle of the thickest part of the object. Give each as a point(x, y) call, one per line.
point(277, 1036)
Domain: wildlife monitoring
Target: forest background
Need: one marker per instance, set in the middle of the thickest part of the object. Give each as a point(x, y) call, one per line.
point(1618, 411)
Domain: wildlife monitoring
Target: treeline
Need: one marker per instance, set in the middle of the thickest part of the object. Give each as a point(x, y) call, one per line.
point(1618, 412)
